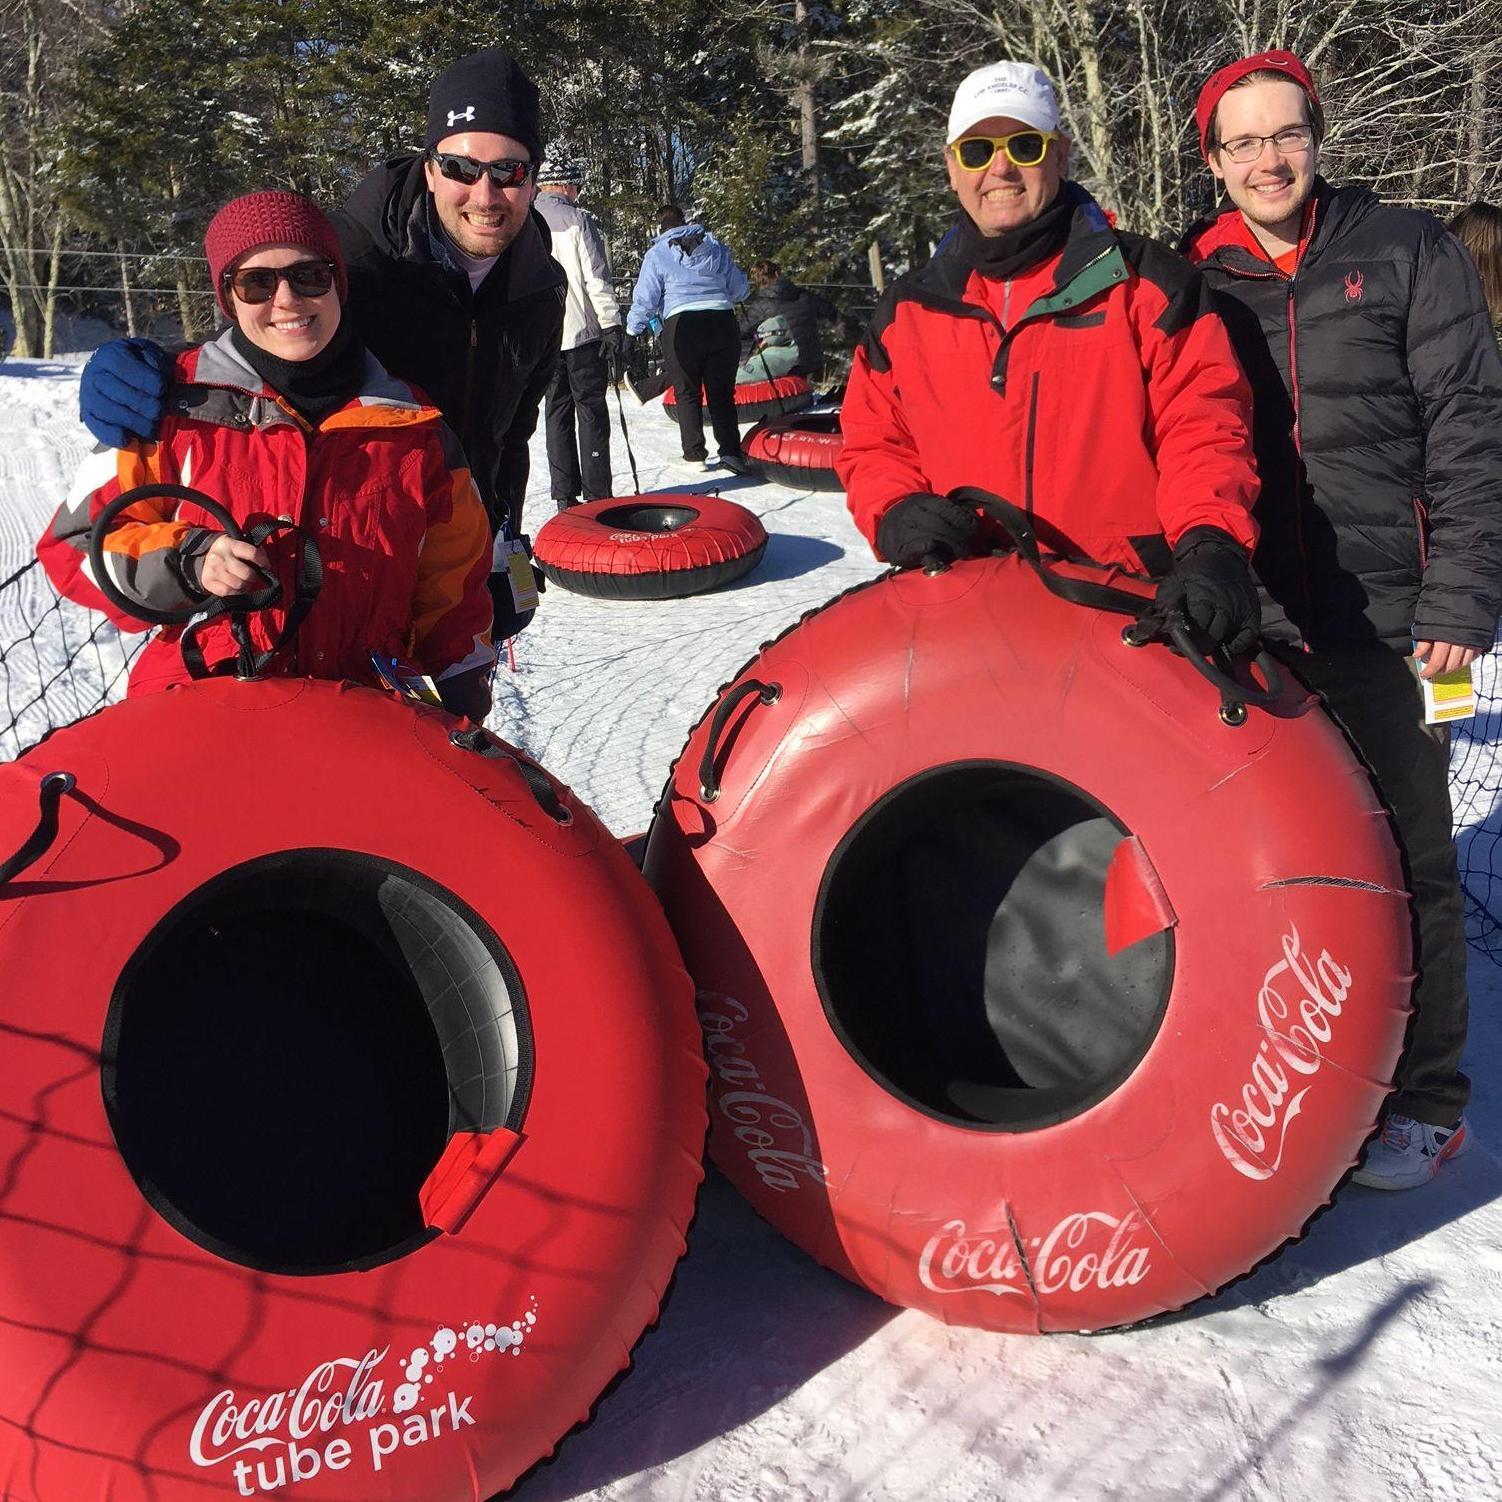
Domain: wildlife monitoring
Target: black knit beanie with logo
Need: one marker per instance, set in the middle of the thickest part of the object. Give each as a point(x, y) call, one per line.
point(485, 91)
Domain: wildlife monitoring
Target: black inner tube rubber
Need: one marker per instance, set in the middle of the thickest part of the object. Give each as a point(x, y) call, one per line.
point(959, 948)
point(647, 518)
point(288, 1052)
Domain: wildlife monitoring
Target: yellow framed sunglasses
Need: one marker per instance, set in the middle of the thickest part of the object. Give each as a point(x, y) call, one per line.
point(1023, 148)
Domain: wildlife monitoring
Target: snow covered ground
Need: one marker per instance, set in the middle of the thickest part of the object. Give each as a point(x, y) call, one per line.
point(1366, 1363)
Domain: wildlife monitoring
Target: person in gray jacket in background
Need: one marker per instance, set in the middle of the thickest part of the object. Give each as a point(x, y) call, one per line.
point(578, 423)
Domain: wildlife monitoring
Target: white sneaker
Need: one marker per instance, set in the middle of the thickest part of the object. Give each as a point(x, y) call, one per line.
point(1408, 1152)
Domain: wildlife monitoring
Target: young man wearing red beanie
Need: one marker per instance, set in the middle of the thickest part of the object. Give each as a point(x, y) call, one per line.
point(1377, 387)
point(287, 415)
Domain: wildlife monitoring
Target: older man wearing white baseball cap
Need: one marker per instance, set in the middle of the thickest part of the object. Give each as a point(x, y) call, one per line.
point(1047, 357)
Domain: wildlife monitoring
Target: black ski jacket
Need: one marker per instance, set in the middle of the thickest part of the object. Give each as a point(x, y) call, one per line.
point(1377, 424)
point(484, 358)
point(802, 309)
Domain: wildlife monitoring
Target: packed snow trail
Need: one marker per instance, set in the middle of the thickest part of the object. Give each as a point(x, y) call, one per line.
point(1365, 1363)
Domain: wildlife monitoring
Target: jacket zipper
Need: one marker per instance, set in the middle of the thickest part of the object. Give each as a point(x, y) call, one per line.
point(469, 376)
point(1032, 434)
point(1298, 449)
point(1421, 521)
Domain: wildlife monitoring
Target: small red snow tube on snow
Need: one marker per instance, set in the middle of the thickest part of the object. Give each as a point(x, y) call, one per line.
point(755, 400)
point(352, 1103)
point(1038, 994)
point(799, 451)
point(650, 547)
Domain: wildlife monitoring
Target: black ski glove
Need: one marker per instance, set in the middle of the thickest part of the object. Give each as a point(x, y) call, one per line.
point(1211, 583)
point(615, 345)
point(927, 526)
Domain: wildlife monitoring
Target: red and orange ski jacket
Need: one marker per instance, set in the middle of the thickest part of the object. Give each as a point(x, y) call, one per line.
point(380, 484)
point(1098, 390)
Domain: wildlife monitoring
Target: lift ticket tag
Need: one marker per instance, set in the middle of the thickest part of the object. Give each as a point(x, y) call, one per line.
point(1451, 696)
point(510, 557)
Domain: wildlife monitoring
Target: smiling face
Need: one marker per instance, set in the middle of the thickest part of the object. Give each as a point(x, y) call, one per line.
point(289, 326)
point(1272, 189)
point(480, 218)
point(1004, 196)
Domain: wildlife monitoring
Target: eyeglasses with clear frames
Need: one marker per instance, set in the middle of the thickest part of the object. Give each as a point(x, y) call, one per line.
point(1291, 141)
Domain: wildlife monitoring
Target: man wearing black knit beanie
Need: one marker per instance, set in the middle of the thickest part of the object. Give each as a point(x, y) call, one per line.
point(451, 286)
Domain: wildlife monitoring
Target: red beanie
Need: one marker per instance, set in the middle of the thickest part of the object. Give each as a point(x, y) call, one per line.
point(270, 218)
point(1272, 62)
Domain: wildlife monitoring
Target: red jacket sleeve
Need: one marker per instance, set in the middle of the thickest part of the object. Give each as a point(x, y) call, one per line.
point(878, 464)
point(1199, 403)
point(143, 547)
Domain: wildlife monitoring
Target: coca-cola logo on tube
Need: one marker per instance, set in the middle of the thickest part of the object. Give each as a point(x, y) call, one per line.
point(1298, 1004)
point(1088, 1249)
point(778, 1142)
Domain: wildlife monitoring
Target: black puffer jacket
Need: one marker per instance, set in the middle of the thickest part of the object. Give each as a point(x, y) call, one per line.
point(485, 358)
point(1377, 426)
point(802, 309)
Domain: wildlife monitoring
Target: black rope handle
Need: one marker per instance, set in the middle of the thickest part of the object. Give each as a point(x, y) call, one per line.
point(196, 616)
point(1216, 669)
point(49, 794)
point(307, 584)
point(709, 777)
point(625, 434)
point(482, 743)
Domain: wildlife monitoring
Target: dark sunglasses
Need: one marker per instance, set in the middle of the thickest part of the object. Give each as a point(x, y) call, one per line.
point(505, 173)
point(254, 284)
point(1023, 148)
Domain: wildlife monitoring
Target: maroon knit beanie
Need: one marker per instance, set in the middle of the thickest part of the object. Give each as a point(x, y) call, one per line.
point(270, 218)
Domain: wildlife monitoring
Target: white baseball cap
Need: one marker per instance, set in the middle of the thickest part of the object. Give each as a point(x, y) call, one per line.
point(1017, 91)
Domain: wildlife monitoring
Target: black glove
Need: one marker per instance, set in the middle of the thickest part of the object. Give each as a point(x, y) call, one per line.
point(615, 345)
point(927, 526)
point(1211, 583)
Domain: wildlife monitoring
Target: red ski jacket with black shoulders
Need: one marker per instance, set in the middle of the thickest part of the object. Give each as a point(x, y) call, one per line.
point(1097, 389)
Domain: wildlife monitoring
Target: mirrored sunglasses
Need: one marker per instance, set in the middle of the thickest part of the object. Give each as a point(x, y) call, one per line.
point(256, 284)
point(505, 173)
point(1023, 148)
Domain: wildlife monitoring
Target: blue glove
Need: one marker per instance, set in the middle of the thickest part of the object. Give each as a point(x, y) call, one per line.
point(123, 391)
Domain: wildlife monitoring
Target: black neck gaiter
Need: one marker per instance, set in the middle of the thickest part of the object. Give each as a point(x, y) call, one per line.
point(314, 387)
point(1005, 255)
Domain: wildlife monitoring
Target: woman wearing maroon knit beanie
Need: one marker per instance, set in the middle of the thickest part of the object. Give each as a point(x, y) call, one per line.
point(287, 415)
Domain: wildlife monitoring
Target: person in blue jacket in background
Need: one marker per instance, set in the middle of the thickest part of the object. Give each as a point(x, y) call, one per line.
point(690, 281)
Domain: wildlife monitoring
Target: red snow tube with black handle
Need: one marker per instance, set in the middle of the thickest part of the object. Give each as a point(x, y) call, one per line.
point(352, 1104)
point(1045, 985)
point(755, 400)
point(650, 547)
point(798, 451)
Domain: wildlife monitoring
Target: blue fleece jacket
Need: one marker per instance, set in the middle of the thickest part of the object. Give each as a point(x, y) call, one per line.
point(685, 270)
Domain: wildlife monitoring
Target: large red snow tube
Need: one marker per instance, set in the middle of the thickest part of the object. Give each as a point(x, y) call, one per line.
point(352, 1104)
point(755, 400)
point(1036, 995)
point(799, 451)
point(650, 547)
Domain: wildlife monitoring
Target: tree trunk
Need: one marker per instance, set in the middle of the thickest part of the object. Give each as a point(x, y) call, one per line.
point(49, 311)
point(806, 99)
point(127, 296)
point(1476, 160)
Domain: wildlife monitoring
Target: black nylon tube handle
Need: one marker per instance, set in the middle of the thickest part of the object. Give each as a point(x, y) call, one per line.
point(766, 693)
point(49, 794)
point(626, 435)
point(97, 558)
point(1234, 696)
